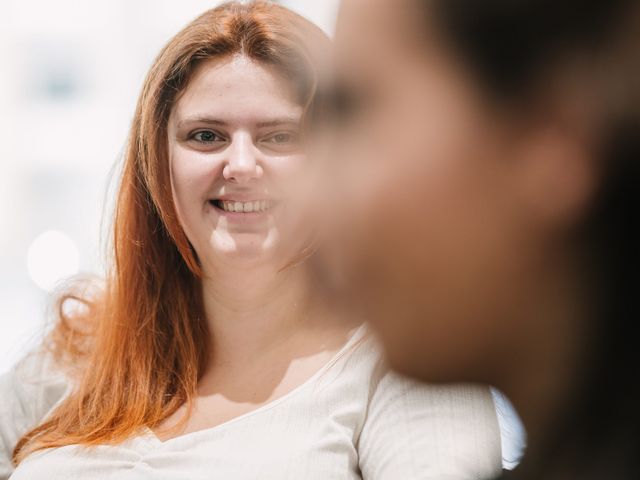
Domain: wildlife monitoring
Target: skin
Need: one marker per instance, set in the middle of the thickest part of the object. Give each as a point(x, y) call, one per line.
point(455, 213)
point(234, 135)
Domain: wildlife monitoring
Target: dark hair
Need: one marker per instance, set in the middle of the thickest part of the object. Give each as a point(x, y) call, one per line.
point(509, 45)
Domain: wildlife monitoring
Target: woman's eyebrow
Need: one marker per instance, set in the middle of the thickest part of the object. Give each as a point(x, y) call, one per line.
point(276, 122)
point(279, 122)
point(198, 119)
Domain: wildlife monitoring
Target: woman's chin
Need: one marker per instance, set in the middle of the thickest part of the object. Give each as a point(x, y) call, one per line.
point(244, 246)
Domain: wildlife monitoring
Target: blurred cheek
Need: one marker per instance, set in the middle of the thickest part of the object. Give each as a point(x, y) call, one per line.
point(414, 272)
point(421, 241)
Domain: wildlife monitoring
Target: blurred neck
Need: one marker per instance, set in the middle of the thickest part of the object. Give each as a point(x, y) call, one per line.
point(545, 364)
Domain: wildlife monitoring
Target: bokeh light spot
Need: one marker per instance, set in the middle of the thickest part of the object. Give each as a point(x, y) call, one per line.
point(52, 257)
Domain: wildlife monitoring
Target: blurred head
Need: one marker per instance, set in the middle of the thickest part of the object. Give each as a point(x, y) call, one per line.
point(214, 146)
point(485, 152)
point(463, 183)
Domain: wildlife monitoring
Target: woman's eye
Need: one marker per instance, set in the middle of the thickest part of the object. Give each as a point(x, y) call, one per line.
point(206, 136)
point(283, 138)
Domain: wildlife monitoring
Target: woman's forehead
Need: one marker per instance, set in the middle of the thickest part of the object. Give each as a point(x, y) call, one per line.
point(237, 89)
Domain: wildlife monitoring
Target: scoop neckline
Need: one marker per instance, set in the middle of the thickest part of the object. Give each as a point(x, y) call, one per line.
point(353, 338)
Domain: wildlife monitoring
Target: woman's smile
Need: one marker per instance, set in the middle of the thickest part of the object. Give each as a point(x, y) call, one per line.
point(241, 206)
point(241, 210)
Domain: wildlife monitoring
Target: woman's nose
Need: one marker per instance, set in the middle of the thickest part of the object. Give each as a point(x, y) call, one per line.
point(242, 164)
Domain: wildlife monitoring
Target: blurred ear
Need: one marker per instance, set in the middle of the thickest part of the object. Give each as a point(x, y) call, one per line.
point(556, 171)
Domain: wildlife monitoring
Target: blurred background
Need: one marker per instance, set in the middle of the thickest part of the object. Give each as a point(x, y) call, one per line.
point(70, 75)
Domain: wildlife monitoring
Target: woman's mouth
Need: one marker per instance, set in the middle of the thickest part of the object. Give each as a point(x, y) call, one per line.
point(235, 206)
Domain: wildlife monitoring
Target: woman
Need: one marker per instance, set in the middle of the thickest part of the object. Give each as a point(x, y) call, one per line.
point(209, 351)
point(501, 143)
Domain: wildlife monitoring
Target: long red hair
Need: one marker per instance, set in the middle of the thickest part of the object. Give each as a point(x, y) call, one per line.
point(142, 340)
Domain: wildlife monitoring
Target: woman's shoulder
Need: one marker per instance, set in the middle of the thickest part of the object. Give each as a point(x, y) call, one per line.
point(412, 427)
point(33, 386)
point(365, 354)
point(29, 391)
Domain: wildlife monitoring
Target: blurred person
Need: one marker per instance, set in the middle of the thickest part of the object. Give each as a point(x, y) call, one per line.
point(208, 350)
point(486, 171)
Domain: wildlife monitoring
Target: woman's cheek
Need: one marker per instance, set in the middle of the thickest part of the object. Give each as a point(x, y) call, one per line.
point(192, 182)
point(288, 178)
point(285, 168)
point(192, 173)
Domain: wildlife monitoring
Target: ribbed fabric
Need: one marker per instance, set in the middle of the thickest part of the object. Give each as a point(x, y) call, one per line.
point(352, 420)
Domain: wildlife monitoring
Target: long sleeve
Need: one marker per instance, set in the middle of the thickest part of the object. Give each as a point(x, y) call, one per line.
point(27, 394)
point(416, 431)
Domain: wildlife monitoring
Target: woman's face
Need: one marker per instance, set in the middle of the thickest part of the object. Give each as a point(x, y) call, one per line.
point(439, 207)
point(235, 151)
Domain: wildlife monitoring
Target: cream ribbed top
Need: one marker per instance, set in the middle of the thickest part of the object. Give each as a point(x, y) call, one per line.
point(352, 420)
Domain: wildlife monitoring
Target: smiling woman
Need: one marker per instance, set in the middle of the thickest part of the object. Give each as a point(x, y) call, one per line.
point(210, 350)
point(234, 146)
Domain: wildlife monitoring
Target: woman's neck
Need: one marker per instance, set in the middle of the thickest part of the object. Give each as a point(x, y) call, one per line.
point(251, 310)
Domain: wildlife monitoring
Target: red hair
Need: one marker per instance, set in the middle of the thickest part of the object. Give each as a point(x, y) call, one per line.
point(142, 341)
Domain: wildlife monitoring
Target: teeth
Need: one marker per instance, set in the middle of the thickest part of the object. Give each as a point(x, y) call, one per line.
point(245, 207)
